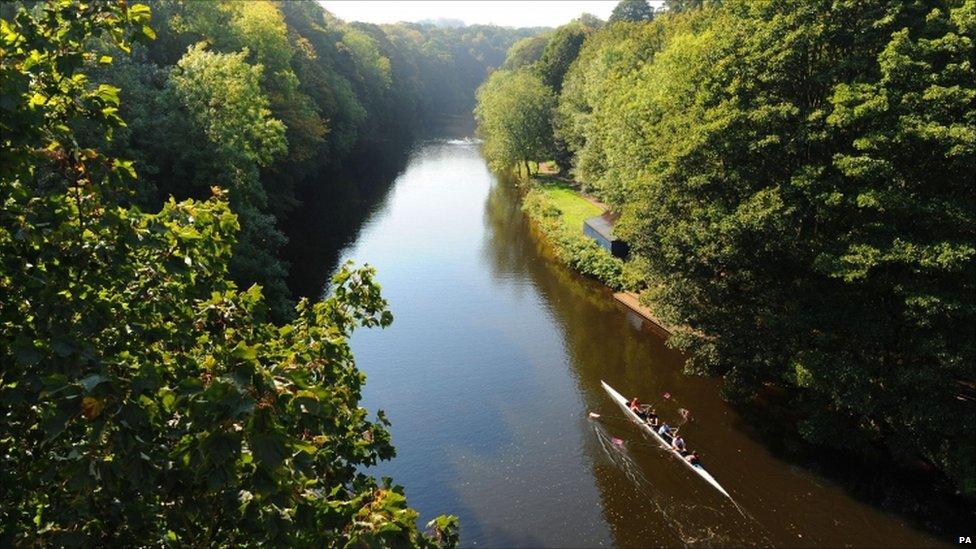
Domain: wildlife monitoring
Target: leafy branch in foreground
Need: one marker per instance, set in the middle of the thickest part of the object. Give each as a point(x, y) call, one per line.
point(141, 401)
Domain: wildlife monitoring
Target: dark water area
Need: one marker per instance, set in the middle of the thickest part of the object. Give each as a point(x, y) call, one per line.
point(493, 364)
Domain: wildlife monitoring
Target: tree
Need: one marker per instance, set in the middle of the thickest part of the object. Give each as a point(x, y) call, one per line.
point(594, 112)
point(632, 10)
point(591, 21)
point(560, 51)
point(677, 6)
point(143, 403)
point(221, 94)
point(513, 114)
point(787, 230)
point(525, 52)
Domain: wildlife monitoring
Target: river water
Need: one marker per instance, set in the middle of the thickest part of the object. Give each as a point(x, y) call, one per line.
point(494, 362)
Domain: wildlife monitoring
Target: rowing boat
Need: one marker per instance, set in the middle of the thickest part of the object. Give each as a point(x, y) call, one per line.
point(664, 441)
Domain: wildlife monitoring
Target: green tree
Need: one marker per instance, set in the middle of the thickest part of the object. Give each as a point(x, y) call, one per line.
point(807, 218)
point(221, 94)
point(560, 51)
point(634, 11)
point(525, 52)
point(595, 117)
point(513, 114)
point(677, 6)
point(260, 28)
point(143, 402)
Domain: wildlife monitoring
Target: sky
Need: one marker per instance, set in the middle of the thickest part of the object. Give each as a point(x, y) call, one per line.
point(511, 13)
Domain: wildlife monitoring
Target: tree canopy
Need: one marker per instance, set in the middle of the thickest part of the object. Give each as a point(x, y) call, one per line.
point(634, 11)
point(144, 400)
point(513, 113)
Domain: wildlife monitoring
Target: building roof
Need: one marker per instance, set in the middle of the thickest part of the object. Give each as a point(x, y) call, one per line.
point(603, 224)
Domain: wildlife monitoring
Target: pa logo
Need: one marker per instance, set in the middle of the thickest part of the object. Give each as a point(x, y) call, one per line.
point(965, 539)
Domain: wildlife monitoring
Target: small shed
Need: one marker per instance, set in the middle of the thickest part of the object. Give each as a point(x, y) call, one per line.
point(600, 228)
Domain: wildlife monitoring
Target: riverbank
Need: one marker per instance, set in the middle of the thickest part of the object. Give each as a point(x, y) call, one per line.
point(558, 208)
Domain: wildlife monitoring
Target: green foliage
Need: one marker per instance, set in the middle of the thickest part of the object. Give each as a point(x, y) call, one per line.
point(560, 223)
point(799, 180)
point(222, 95)
point(678, 6)
point(525, 52)
point(143, 401)
point(257, 97)
point(559, 53)
point(634, 11)
point(513, 114)
point(591, 113)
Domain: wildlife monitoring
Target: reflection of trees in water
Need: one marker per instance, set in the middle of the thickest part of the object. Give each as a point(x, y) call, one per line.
point(597, 333)
point(336, 203)
point(602, 344)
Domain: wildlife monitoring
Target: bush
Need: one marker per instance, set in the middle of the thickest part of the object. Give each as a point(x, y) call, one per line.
point(571, 246)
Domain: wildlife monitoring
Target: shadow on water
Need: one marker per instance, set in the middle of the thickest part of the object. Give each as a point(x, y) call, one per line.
point(920, 496)
point(336, 203)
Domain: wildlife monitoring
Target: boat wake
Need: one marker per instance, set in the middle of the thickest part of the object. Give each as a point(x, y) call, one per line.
point(692, 524)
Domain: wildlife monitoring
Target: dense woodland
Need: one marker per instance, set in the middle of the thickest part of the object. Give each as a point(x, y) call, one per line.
point(257, 96)
point(795, 180)
point(158, 384)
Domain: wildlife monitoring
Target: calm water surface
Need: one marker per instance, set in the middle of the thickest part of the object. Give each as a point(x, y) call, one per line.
point(495, 359)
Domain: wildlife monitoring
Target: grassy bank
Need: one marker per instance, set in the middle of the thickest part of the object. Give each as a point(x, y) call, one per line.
point(559, 210)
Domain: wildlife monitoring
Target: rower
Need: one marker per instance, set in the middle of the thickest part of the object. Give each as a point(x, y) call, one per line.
point(678, 443)
point(650, 415)
point(693, 458)
point(636, 407)
point(665, 430)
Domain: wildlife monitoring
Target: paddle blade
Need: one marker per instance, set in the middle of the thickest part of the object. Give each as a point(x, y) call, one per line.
point(594, 415)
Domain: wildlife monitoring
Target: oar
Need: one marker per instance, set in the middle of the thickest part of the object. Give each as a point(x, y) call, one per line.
point(684, 412)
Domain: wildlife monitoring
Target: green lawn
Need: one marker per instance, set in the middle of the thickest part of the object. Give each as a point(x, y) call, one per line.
point(575, 208)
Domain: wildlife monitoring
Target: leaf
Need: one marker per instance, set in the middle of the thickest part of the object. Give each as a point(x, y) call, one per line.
point(93, 381)
point(91, 407)
point(245, 352)
point(269, 449)
point(108, 94)
point(124, 166)
point(140, 12)
point(36, 100)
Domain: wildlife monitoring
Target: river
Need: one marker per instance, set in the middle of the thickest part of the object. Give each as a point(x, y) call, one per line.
point(494, 362)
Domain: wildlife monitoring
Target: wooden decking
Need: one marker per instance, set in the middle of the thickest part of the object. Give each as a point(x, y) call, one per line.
point(632, 302)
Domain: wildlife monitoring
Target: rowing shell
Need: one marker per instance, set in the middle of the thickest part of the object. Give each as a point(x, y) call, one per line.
point(698, 469)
